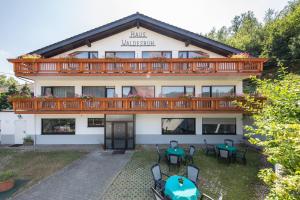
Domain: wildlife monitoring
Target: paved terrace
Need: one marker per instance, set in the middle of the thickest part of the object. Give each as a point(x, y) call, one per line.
point(85, 179)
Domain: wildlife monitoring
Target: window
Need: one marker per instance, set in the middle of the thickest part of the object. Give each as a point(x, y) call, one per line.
point(192, 54)
point(58, 91)
point(218, 91)
point(120, 54)
point(110, 92)
point(93, 91)
point(219, 126)
point(85, 54)
point(178, 126)
point(58, 126)
point(95, 122)
point(143, 91)
point(177, 91)
point(157, 54)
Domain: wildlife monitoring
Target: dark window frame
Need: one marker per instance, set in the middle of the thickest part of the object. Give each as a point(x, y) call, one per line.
point(95, 126)
point(210, 88)
point(43, 89)
point(114, 52)
point(235, 127)
point(188, 52)
point(184, 86)
point(157, 51)
point(58, 133)
point(105, 87)
point(139, 86)
point(89, 54)
point(194, 119)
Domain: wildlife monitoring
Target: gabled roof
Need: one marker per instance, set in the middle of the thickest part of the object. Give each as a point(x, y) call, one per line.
point(131, 21)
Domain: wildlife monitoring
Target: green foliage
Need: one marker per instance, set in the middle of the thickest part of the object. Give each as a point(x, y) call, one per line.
point(277, 38)
point(5, 82)
point(6, 175)
point(278, 124)
point(12, 91)
point(25, 91)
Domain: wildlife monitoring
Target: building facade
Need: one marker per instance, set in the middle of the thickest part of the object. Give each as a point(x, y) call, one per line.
point(134, 81)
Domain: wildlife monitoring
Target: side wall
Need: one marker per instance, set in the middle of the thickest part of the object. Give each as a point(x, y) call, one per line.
point(83, 133)
point(148, 129)
point(8, 129)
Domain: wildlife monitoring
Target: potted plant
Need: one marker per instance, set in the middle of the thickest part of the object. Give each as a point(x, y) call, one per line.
point(28, 141)
point(6, 180)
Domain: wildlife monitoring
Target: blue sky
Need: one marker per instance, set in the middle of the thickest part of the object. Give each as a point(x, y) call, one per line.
point(26, 25)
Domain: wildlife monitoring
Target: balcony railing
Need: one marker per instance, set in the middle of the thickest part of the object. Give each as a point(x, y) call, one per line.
point(137, 67)
point(124, 105)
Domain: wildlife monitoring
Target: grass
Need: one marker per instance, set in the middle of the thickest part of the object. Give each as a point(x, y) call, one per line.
point(34, 166)
point(234, 181)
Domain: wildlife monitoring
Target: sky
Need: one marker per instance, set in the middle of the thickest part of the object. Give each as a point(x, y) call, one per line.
point(27, 25)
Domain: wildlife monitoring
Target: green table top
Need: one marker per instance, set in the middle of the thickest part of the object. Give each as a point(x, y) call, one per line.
point(231, 149)
point(186, 191)
point(177, 151)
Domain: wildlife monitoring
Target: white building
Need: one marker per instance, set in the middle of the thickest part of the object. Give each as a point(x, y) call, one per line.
point(133, 81)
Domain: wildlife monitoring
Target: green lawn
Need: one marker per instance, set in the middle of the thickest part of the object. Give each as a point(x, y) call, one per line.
point(34, 166)
point(234, 181)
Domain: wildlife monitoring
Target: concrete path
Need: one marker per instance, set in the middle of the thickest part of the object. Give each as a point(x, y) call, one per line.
point(84, 179)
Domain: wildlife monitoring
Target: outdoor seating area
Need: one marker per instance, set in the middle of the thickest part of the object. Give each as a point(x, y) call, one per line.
point(216, 179)
point(186, 186)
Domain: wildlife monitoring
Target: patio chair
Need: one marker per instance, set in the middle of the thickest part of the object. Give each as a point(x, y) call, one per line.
point(157, 195)
point(224, 154)
point(159, 183)
point(229, 142)
point(159, 154)
point(190, 155)
point(173, 144)
point(192, 173)
point(173, 160)
point(209, 148)
point(241, 155)
point(205, 196)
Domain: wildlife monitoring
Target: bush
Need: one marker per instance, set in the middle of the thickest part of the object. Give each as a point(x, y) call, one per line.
point(28, 139)
point(7, 175)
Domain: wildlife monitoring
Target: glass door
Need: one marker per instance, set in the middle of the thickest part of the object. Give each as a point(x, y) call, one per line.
point(119, 135)
point(119, 132)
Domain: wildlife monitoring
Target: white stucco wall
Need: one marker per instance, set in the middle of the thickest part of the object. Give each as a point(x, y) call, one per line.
point(8, 128)
point(118, 82)
point(148, 129)
point(162, 43)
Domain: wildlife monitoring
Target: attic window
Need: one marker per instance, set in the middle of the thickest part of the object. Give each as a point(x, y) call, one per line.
point(85, 54)
point(192, 54)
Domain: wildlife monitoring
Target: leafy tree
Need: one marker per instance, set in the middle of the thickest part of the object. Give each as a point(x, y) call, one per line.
point(277, 121)
point(277, 38)
point(25, 91)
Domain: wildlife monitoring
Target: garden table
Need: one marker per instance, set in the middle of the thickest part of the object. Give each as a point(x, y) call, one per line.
point(177, 151)
point(177, 191)
point(231, 149)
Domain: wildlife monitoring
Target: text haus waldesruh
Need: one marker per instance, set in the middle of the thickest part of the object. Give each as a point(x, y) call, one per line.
point(140, 42)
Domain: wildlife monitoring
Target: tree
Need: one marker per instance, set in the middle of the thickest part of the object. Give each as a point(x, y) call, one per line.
point(11, 85)
point(25, 91)
point(278, 122)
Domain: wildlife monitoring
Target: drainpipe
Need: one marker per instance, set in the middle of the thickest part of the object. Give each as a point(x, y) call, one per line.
point(34, 144)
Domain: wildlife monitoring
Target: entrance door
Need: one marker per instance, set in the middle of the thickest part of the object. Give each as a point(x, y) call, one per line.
point(119, 135)
point(119, 132)
point(20, 131)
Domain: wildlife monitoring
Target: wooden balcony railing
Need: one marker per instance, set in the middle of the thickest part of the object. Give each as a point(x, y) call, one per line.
point(124, 105)
point(136, 67)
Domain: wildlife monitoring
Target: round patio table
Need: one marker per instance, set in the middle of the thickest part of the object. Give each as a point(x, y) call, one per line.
point(231, 149)
point(186, 191)
point(177, 151)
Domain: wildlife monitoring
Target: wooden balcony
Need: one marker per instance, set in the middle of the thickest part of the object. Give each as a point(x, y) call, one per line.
point(138, 67)
point(124, 105)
